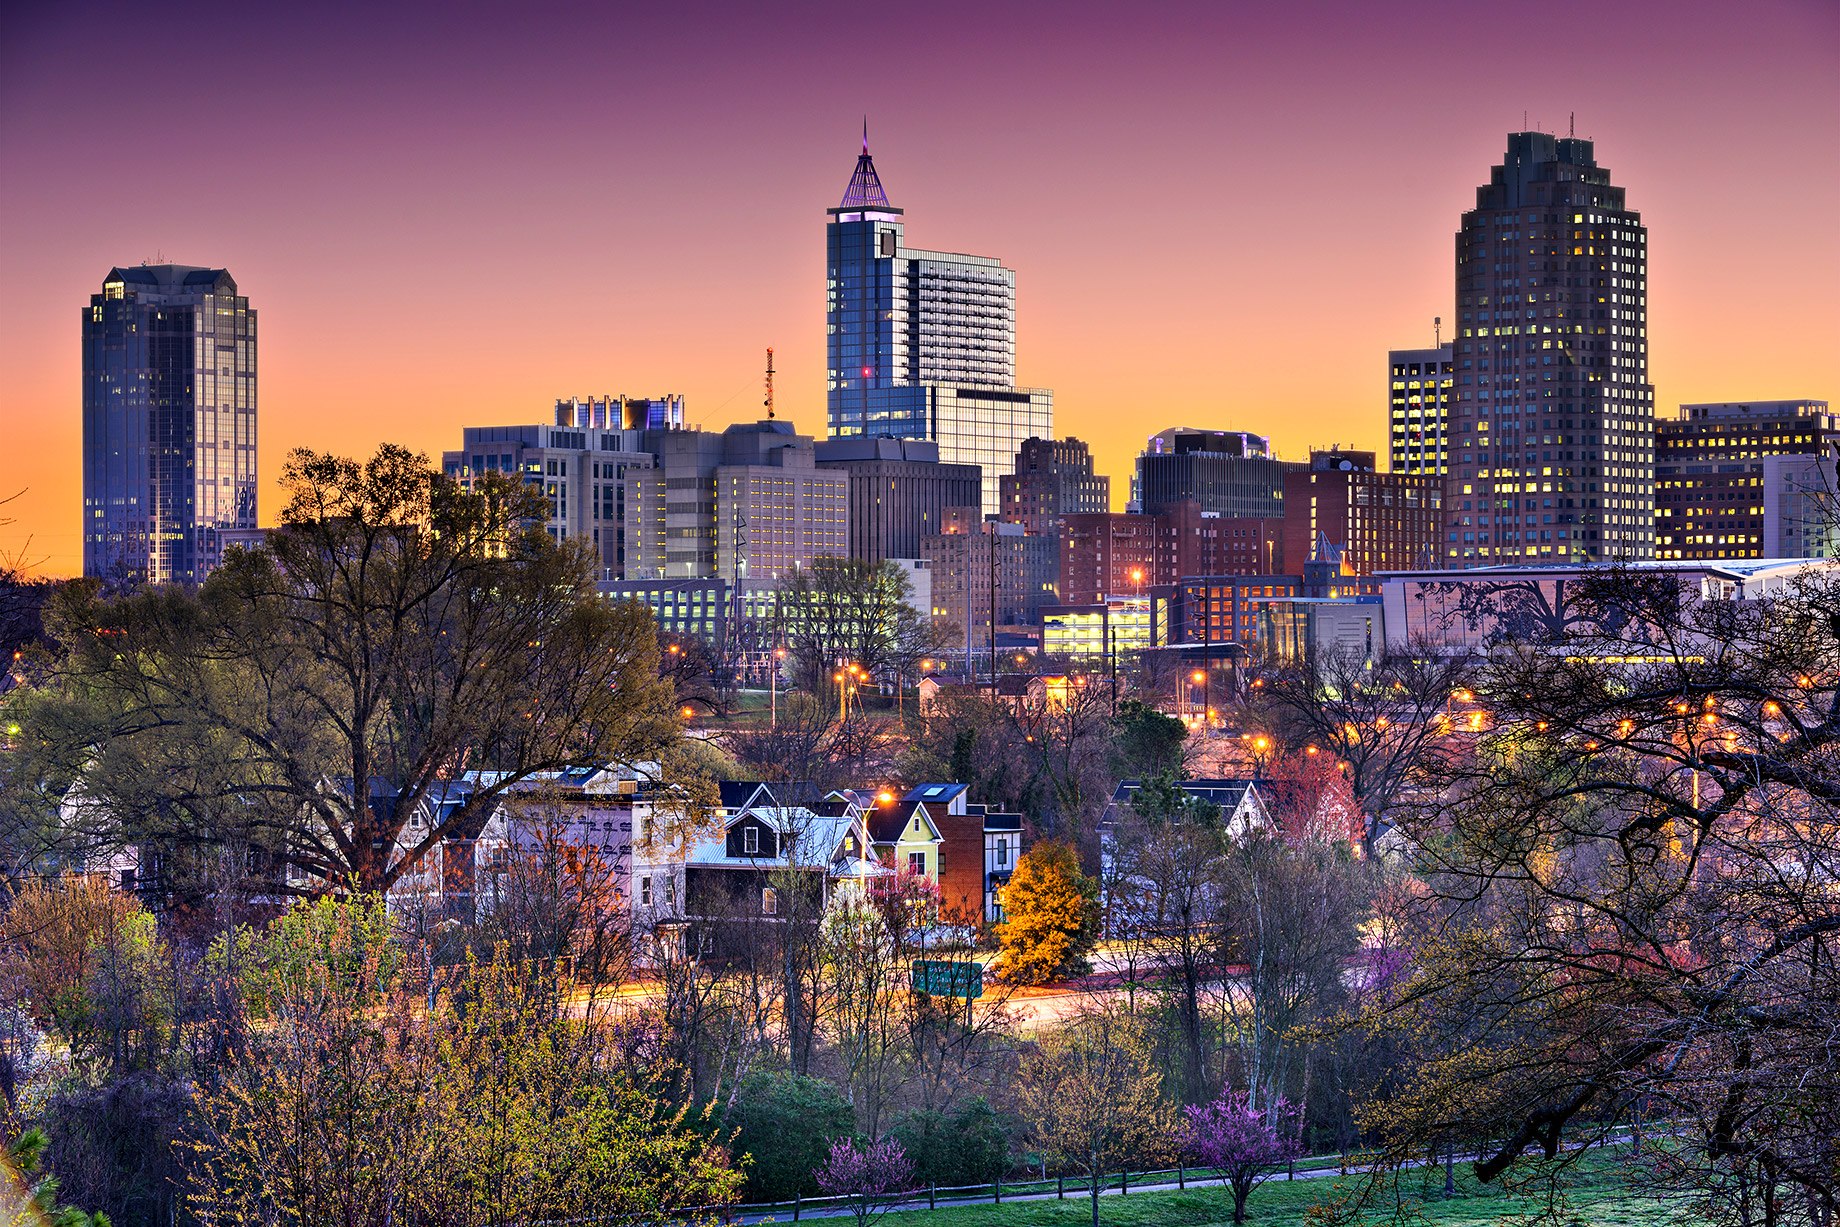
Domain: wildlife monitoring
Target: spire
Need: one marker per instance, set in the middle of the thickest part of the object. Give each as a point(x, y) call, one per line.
point(865, 190)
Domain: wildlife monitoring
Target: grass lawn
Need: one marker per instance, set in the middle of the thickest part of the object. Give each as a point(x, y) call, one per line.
point(1597, 1198)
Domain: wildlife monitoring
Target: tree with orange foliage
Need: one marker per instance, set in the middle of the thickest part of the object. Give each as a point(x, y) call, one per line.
point(1050, 916)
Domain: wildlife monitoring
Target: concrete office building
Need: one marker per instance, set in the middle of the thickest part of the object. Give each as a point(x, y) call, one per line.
point(969, 557)
point(1553, 428)
point(1420, 387)
point(1381, 521)
point(1229, 473)
point(1053, 478)
point(169, 422)
point(899, 492)
point(1718, 494)
point(922, 344)
point(748, 506)
point(581, 464)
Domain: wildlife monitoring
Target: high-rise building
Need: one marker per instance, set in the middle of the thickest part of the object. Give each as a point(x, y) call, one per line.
point(1108, 553)
point(1553, 445)
point(1229, 473)
point(747, 506)
point(899, 492)
point(169, 422)
point(1053, 478)
point(1746, 480)
point(1379, 521)
point(922, 344)
point(1420, 385)
point(979, 568)
point(580, 464)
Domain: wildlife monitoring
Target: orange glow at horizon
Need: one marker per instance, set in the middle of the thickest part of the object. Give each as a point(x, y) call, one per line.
point(1217, 218)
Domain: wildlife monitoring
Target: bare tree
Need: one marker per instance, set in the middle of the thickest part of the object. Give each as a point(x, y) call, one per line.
point(1630, 872)
point(1379, 718)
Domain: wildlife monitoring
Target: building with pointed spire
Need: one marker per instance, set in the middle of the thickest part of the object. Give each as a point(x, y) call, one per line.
point(1552, 453)
point(922, 344)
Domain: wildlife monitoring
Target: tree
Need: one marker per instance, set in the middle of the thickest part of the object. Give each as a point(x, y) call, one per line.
point(868, 1179)
point(1149, 743)
point(1377, 718)
point(37, 1202)
point(1291, 917)
point(1168, 846)
point(967, 1147)
point(315, 694)
point(784, 1124)
point(1628, 876)
point(356, 1104)
point(1246, 1144)
point(850, 611)
point(1090, 1096)
point(1050, 916)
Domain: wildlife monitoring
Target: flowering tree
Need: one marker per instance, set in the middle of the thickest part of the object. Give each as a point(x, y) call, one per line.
point(870, 1179)
point(1246, 1144)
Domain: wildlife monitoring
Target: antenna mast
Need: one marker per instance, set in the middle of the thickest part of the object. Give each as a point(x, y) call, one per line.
point(769, 400)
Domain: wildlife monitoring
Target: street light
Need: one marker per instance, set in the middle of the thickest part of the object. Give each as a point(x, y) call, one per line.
point(779, 654)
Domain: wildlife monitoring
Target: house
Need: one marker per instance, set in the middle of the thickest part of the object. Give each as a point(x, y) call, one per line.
point(689, 891)
point(905, 837)
point(1002, 848)
point(970, 837)
point(1242, 804)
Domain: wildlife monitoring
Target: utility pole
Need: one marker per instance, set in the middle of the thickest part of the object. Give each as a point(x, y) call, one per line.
point(992, 535)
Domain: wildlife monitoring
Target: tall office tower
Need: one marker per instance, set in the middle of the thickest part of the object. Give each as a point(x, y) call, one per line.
point(1379, 521)
point(1746, 480)
point(747, 506)
point(1420, 386)
point(1053, 478)
point(899, 492)
point(169, 422)
point(580, 463)
point(1230, 473)
point(1553, 457)
point(922, 344)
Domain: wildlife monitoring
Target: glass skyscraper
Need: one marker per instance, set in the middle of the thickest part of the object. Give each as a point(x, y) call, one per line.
point(1552, 452)
point(169, 422)
point(922, 344)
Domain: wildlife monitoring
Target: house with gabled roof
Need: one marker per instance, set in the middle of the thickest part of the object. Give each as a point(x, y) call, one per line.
point(701, 892)
point(978, 845)
point(905, 836)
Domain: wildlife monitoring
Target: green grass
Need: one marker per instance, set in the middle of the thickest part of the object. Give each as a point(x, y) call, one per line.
point(1597, 1198)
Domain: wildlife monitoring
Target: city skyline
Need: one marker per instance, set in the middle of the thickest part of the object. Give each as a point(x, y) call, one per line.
point(459, 225)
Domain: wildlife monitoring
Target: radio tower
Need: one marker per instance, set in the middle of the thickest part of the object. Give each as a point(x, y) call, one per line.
point(769, 401)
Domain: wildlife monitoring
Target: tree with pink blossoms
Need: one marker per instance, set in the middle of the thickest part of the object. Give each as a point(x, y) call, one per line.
point(1243, 1142)
point(870, 1180)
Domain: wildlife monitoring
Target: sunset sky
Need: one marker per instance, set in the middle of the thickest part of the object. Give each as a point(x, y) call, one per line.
point(1219, 215)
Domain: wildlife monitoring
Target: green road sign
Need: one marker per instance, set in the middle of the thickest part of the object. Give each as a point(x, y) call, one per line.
point(938, 978)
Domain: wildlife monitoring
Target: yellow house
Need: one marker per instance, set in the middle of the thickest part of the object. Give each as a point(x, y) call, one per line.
point(906, 836)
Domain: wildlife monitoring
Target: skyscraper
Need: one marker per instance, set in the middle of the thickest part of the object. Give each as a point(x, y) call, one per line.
point(922, 344)
point(1053, 478)
point(169, 422)
point(1553, 451)
point(1751, 479)
point(581, 465)
point(1229, 472)
point(1420, 387)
